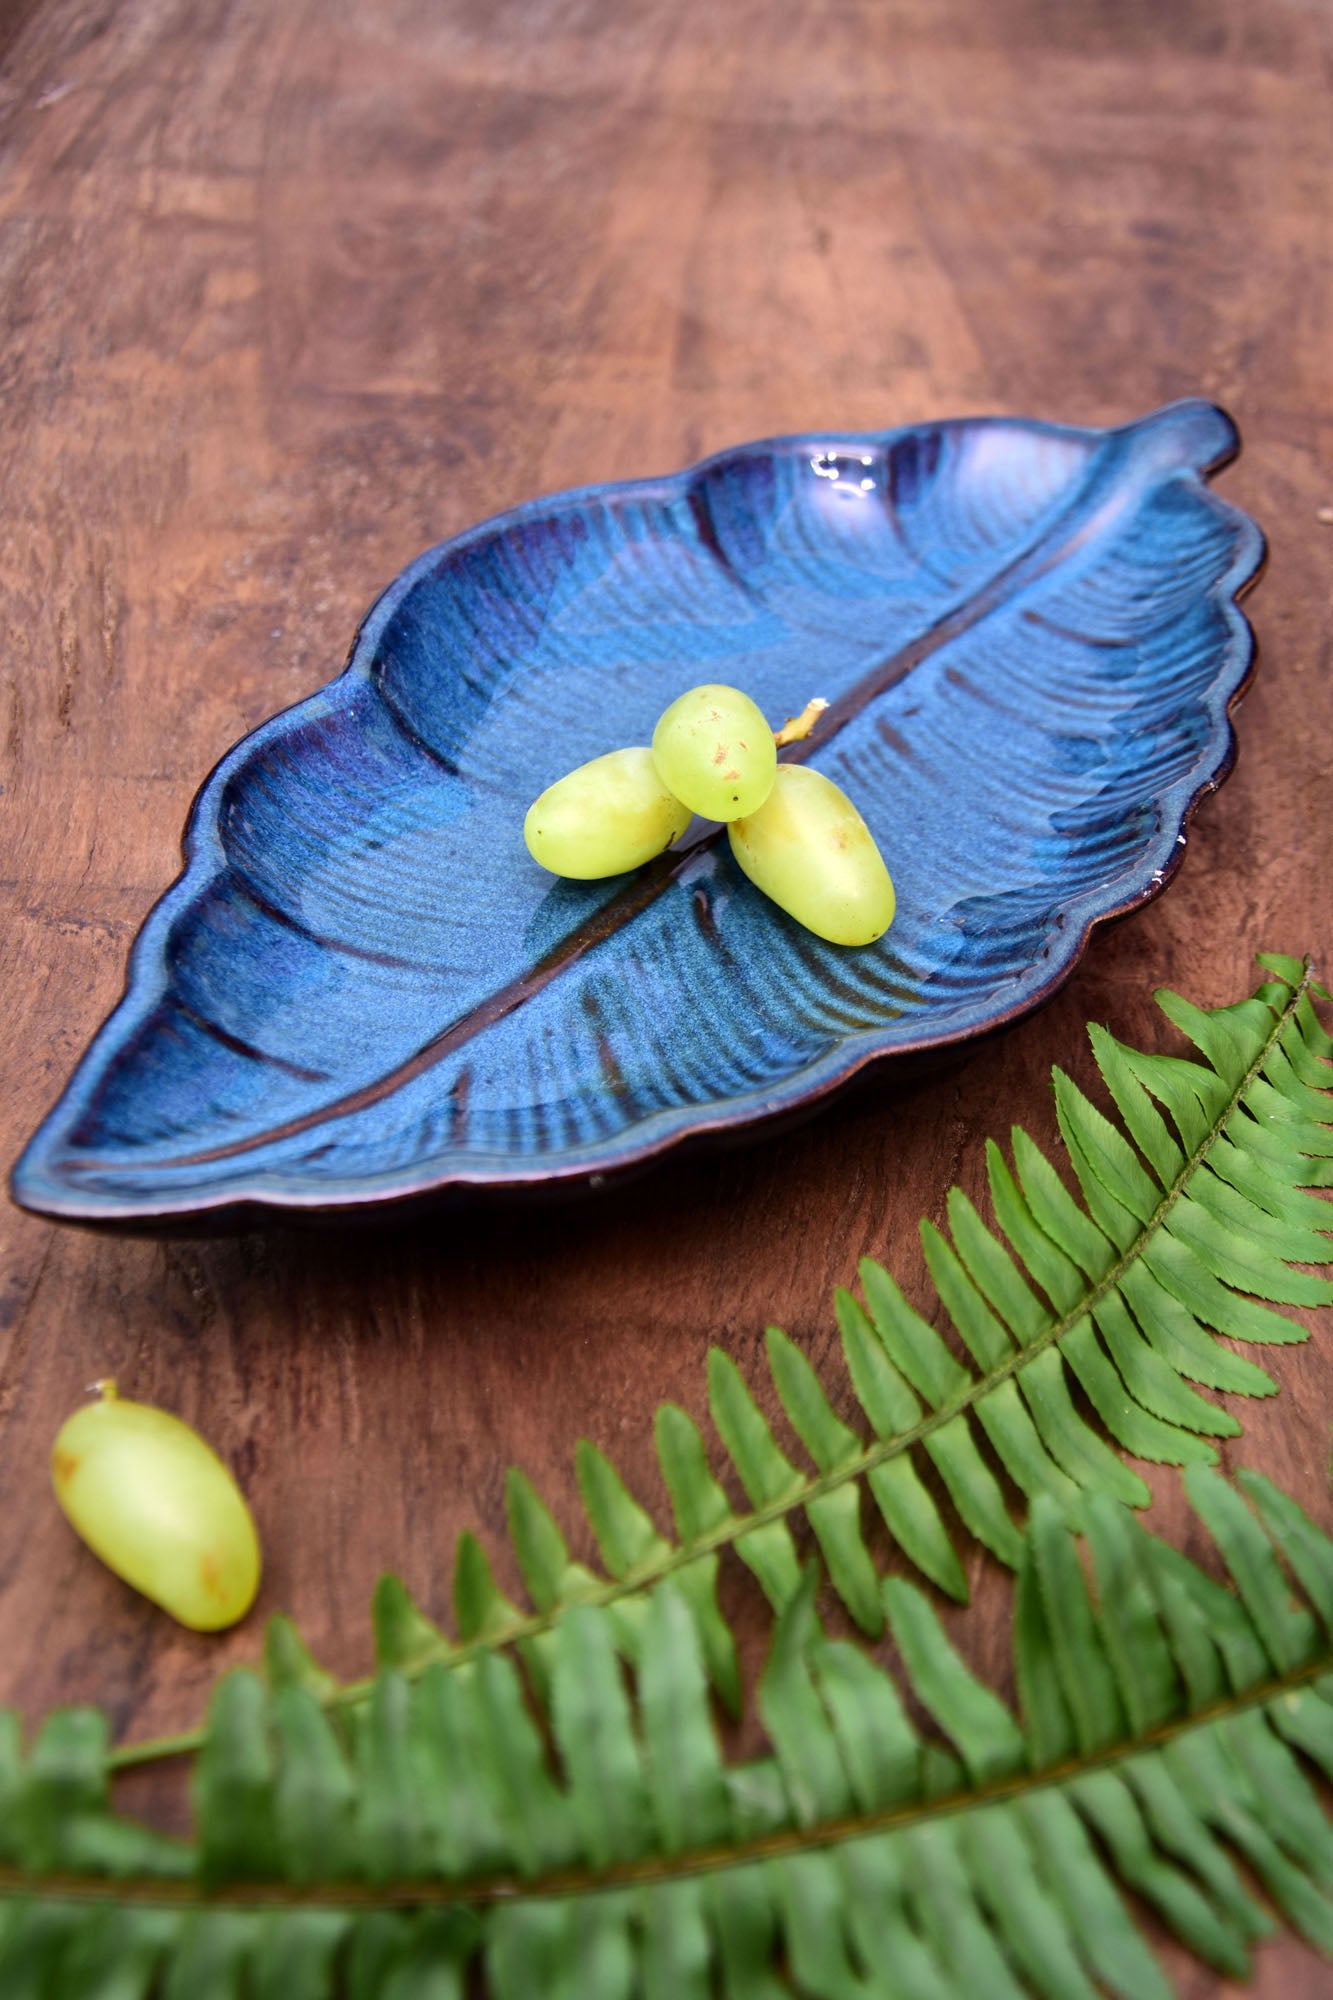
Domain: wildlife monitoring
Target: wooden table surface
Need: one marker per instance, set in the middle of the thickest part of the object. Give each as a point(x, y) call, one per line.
point(292, 289)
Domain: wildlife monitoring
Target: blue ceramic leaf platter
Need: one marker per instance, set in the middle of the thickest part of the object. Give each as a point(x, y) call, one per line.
point(362, 989)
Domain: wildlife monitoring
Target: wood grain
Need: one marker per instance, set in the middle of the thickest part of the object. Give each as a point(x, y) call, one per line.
point(293, 288)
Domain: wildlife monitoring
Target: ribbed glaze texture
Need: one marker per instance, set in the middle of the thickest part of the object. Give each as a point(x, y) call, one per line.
point(362, 987)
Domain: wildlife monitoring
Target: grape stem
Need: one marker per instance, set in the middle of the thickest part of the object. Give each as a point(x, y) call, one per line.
point(797, 727)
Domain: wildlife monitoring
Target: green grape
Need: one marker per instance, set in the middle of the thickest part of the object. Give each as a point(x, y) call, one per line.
point(608, 816)
point(148, 1496)
point(715, 750)
point(810, 850)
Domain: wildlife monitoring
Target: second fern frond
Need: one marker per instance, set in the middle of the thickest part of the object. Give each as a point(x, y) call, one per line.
point(1163, 1733)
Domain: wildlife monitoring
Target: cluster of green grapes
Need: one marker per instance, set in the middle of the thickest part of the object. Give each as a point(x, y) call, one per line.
point(794, 833)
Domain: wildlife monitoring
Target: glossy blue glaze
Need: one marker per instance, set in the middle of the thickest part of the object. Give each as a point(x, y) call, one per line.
point(362, 988)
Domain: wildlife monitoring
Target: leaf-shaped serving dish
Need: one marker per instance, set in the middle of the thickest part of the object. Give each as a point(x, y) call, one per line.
point(361, 988)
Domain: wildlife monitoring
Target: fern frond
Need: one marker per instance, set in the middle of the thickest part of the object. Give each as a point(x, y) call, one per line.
point(1178, 1236)
point(1121, 1297)
point(1166, 1738)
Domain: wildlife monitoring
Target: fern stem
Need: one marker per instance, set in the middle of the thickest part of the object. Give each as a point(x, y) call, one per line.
point(351, 1693)
point(660, 1868)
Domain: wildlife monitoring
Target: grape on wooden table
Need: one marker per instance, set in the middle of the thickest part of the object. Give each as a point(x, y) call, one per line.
point(159, 1507)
